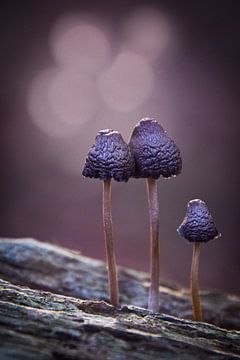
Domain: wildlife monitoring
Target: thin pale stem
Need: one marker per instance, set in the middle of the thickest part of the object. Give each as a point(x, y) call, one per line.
point(153, 297)
point(110, 254)
point(196, 304)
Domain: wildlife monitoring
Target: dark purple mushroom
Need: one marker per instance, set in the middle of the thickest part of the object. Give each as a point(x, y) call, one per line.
point(109, 158)
point(155, 155)
point(197, 227)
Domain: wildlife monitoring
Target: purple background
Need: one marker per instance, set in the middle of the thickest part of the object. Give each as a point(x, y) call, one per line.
point(196, 98)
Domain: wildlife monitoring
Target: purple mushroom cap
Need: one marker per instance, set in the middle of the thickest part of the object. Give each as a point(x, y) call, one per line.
point(155, 153)
point(198, 224)
point(109, 157)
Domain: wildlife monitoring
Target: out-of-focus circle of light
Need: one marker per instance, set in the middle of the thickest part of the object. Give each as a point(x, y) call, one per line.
point(148, 32)
point(73, 97)
point(127, 83)
point(40, 108)
point(79, 45)
point(48, 113)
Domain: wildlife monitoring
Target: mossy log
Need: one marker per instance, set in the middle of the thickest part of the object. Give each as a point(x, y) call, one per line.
point(55, 322)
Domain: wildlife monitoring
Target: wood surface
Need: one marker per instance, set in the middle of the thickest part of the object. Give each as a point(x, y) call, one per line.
point(53, 305)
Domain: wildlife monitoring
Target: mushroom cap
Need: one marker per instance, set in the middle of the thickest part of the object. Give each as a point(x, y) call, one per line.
point(155, 153)
point(109, 157)
point(198, 224)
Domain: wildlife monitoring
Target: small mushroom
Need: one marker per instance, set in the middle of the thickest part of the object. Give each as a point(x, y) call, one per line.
point(155, 154)
point(110, 157)
point(197, 227)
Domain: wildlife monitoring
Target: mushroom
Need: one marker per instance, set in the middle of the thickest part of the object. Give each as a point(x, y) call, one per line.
point(110, 157)
point(155, 154)
point(197, 227)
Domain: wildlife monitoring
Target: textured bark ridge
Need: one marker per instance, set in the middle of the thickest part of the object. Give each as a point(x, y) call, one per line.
point(36, 324)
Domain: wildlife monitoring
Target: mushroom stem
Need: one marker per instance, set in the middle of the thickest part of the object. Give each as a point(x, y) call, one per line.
point(108, 235)
point(153, 297)
point(196, 305)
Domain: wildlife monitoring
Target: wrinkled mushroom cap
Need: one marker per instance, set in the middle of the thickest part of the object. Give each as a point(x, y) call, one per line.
point(109, 157)
point(198, 224)
point(155, 153)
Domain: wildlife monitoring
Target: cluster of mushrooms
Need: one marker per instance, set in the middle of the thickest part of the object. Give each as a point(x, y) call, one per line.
point(151, 153)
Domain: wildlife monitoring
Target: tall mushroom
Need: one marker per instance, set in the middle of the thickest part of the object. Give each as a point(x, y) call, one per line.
point(197, 227)
point(110, 157)
point(155, 154)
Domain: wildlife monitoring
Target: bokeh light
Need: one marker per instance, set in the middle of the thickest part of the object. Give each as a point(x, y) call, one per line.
point(148, 32)
point(40, 109)
point(127, 83)
point(62, 98)
point(73, 97)
point(80, 45)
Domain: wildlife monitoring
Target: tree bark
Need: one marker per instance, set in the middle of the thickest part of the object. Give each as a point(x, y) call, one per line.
point(35, 324)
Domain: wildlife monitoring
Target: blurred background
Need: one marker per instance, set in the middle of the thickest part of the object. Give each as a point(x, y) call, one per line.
point(71, 68)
